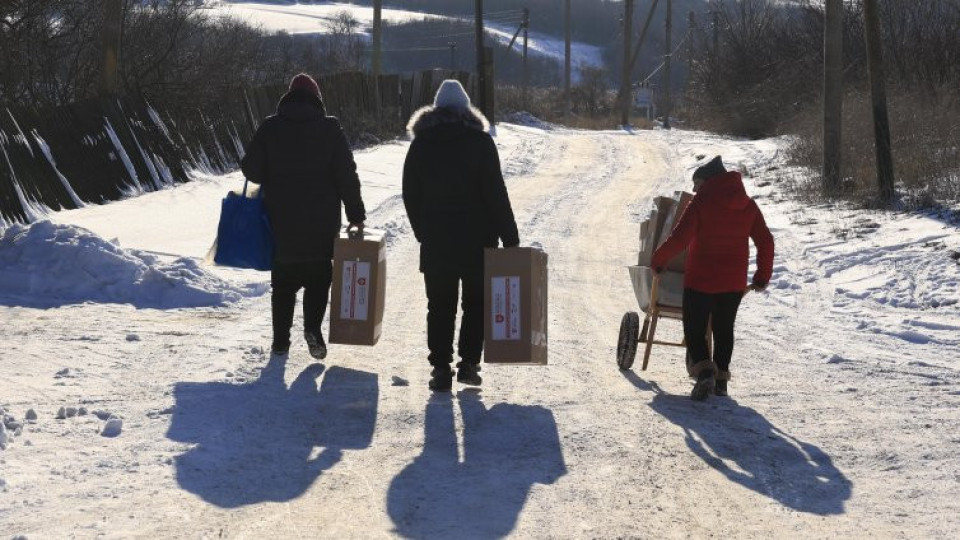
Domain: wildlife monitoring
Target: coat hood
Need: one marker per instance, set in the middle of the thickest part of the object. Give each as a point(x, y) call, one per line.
point(300, 105)
point(430, 117)
point(726, 190)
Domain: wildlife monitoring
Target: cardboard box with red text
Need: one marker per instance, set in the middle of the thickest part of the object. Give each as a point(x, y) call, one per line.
point(515, 306)
point(359, 288)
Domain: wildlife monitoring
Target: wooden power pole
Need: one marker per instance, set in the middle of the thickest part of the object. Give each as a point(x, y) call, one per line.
point(112, 21)
point(568, 31)
point(526, 72)
point(489, 89)
point(691, 50)
point(668, 45)
point(481, 63)
point(377, 36)
point(627, 71)
point(832, 94)
point(881, 122)
point(643, 34)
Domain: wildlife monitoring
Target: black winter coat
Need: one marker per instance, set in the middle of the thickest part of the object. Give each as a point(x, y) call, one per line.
point(453, 190)
point(303, 161)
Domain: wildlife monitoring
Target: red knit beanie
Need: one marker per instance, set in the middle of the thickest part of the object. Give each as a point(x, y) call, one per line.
point(305, 82)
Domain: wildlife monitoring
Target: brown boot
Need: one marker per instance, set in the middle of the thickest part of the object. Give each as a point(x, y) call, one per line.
point(705, 371)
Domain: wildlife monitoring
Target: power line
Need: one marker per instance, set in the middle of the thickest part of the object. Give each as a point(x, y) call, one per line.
point(662, 64)
point(444, 36)
point(417, 49)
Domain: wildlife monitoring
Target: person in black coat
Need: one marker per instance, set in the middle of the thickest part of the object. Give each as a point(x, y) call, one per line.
point(457, 203)
point(301, 158)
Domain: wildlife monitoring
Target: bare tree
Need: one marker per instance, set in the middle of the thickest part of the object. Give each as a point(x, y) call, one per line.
point(344, 45)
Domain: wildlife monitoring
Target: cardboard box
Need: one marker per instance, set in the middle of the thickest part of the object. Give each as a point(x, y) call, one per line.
point(645, 254)
point(670, 292)
point(678, 263)
point(359, 288)
point(648, 241)
point(664, 206)
point(515, 306)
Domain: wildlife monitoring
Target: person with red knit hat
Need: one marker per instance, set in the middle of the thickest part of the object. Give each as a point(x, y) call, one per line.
point(715, 230)
point(301, 158)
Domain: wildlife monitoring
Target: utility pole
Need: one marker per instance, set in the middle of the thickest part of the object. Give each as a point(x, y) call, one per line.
point(626, 73)
point(377, 36)
point(568, 31)
point(667, 105)
point(453, 54)
point(112, 21)
point(832, 94)
point(881, 123)
point(481, 63)
point(489, 91)
point(691, 50)
point(526, 72)
point(643, 34)
point(716, 36)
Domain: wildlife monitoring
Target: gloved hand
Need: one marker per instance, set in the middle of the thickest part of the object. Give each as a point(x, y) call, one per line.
point(757, 287)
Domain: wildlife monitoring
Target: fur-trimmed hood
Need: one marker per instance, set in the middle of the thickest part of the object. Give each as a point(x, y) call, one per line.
point(431, 116)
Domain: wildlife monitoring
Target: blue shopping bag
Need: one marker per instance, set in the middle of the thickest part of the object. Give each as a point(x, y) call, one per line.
point(244, 238)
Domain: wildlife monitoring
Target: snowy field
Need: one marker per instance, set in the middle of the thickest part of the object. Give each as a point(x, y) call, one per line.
point(315, 19)
point(309, 18)
point(140, 400)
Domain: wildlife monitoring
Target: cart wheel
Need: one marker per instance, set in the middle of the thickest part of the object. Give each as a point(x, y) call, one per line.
point(627, 343)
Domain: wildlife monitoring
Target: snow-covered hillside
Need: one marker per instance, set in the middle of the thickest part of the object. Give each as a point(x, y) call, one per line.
point(843, 418)
point(316, 18)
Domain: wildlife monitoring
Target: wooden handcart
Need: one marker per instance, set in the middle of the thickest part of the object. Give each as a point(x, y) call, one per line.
point(632, 334)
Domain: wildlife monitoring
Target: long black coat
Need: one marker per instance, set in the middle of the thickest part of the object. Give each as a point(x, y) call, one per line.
point(453, 191)
point(303, 161)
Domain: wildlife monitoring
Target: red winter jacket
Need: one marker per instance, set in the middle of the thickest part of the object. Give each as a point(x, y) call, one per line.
point(714, 230)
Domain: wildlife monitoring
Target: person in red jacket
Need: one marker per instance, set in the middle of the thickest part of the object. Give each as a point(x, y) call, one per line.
point(714, 229)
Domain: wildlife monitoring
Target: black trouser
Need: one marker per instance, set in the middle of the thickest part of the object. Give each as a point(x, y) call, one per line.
point(314, 278)
point(701, 309)
point(442, 292)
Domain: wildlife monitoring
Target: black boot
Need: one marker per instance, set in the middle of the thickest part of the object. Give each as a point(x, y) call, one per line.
point(318, 348)
point(441, 378)
point(469, 374)
point(280, 347)
point(721, 388)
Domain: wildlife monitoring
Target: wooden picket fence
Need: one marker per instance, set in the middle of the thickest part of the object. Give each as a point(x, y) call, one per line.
point(102, 150)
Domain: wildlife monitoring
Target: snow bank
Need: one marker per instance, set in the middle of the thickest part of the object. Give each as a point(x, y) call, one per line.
point(47, 264)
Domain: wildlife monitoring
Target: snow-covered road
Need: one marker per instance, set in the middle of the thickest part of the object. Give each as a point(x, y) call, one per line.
point(843, 419)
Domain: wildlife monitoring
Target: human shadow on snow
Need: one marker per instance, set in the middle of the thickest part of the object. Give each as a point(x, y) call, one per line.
point(743, 445)
point(256, 442)
point(506, 449)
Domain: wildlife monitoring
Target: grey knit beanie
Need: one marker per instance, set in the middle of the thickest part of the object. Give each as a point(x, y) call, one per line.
point(452, 95)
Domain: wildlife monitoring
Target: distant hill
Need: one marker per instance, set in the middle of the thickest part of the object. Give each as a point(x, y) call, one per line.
point(595, 21)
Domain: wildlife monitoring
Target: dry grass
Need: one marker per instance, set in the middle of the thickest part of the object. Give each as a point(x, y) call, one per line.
point(591, 109)
point(925, 137)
